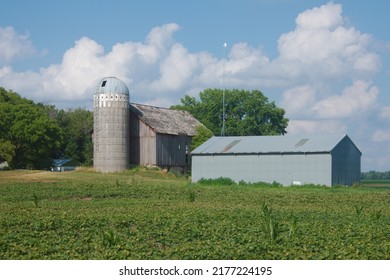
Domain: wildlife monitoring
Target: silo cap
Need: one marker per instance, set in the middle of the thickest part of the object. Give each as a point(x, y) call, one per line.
point(110, 85)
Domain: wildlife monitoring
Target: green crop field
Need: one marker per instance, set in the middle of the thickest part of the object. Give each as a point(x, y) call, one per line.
point(149, 214)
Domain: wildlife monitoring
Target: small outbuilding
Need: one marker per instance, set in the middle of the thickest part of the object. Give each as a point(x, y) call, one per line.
point(4, 165)
point(289, 160)
point(63, 164)
point(160, 136)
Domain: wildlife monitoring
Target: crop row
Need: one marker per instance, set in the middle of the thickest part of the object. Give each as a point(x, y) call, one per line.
point(132, 220)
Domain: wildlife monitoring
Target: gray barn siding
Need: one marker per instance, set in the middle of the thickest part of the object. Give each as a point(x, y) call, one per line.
point(159, 136)
point(142, 143)
point(171, 149)
point(346, 164)
point(150, 148)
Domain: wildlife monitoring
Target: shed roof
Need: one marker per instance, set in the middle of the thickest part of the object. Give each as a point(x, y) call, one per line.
point(270, 144)
point(64, 162)
point(166, 121)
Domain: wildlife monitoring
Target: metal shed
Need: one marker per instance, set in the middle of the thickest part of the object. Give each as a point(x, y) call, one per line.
point(160, 136)
point(316, 159)
point(64, 164)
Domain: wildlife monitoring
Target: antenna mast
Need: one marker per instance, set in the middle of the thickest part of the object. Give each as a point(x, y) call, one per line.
point(223, 92)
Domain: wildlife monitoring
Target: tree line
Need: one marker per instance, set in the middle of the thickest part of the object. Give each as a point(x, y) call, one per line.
point(33, 134)
point(376, 175)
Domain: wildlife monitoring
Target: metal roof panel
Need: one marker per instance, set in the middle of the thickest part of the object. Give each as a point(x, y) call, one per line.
point(270, 144)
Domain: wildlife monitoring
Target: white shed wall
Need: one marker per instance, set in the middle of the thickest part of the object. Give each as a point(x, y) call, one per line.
point(282, 168)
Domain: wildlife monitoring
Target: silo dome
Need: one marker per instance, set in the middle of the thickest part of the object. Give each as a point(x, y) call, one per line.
point(111, 85)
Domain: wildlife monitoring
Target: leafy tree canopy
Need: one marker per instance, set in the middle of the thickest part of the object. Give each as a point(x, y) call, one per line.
point(29, 137)
point(202, 135)
point(77, 125)
point(246, 112)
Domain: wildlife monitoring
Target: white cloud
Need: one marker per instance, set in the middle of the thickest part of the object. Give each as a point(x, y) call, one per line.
point(355, 99)
point(299, 100)
point(176, 69)
point(385, 113)
point(316, 126)
point(320, 50)
point(14, 45)
point(327, 47)
point(381, 135)
point(161, 36)
point(320, 75)
point(86, 62)
point(326, 16)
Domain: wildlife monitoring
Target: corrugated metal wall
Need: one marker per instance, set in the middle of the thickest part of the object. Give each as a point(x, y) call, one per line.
point(346, 163)
point(282, 168)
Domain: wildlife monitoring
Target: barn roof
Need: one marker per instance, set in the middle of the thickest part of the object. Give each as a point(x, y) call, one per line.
point(166, 121)
point(270, 144)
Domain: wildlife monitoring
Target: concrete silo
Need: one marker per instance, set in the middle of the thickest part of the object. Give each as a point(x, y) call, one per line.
point(111, 126)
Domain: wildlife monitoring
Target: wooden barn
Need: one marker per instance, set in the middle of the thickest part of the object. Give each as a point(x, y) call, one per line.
point(160, 137)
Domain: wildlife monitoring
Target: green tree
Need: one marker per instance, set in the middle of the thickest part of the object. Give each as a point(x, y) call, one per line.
point(202, 135)
point(7, 151)
point(77, 125)
point(29, 137)
point(246, 112)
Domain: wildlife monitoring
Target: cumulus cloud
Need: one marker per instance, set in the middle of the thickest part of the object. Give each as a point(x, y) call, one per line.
point(86, 62)
point(321, 74)
point(299, 100)
point(328, 66)
point(315, 126)
point(326, 46)
point(326, 16)
point(321, 50)
point(14, 45)
point(385, 113)
point(176, 69)
point(381, 135)
point(355, 99)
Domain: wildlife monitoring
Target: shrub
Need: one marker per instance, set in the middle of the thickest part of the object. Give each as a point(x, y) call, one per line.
point(221, 181)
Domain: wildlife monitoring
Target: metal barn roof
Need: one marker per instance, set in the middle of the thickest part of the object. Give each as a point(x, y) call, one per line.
point(166, 121)
point(270, 144)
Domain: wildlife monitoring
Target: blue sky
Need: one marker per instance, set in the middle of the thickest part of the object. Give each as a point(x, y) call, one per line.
point(326, 63)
